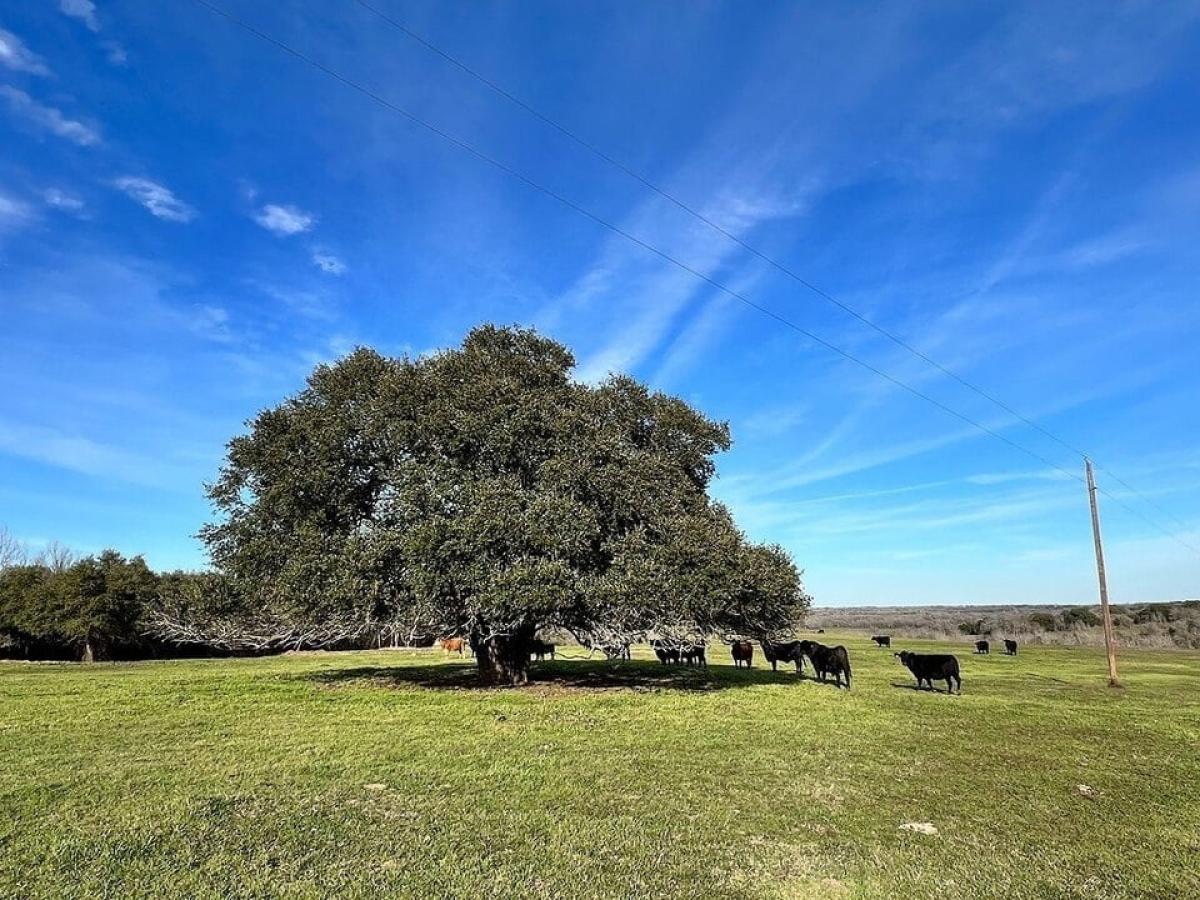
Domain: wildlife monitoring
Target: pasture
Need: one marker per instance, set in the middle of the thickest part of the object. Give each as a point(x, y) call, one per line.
point(373, 773)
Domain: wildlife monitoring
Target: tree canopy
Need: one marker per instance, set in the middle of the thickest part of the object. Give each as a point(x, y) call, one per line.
point(92, 607)
point(482, 491)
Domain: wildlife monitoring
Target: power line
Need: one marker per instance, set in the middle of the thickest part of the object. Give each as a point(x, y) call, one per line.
point(748, 247)
point(650, 248)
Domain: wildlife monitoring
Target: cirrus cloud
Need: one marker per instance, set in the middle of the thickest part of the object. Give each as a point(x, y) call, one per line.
point(63, 200)
point(15, 55)
point(158, 199)
point(48, 118)
point(83, 10)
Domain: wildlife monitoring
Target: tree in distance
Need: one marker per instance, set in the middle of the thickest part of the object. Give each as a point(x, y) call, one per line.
point(483, 492)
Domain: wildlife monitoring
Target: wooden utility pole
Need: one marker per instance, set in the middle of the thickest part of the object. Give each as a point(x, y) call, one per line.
point(1110, 644)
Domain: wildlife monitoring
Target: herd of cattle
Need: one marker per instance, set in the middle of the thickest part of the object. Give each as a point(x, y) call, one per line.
point(826, 662)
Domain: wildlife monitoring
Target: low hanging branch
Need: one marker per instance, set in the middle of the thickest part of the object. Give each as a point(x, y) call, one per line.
point(255, 632)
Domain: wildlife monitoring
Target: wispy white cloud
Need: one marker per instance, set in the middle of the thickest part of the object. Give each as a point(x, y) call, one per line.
point(14, 213)
point(312, 304)
point(83, 10)
point(1103, 250)
point(57, 198)
point(694, 341)
point(211, 323)
point(773, 420)
point(986, 478)
point(328, 263)
point(653, 292)
point(48, 118)
point(284, 219)
point(79, 453)
point(15, 55)
point(158, 199)
point(115, 53)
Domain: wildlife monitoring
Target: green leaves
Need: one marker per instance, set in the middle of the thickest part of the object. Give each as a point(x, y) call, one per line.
point(97, 600)
point(482, 490)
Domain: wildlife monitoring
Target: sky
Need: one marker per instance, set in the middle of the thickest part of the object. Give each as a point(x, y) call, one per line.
point(191, 219)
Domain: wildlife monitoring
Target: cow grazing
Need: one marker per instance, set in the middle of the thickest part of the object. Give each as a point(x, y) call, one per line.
point(1010, 647)
point(983, 647)
point(930, 667)
point(666, 653)
point(451, 644)
point(882, 640)
point(693, 654)
point(743, 653)
point(820, 631)
point(828, 661)
point(541, 649)
point(783, 652)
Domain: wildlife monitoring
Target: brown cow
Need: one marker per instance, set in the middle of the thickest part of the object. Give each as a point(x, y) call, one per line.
point(451, 644)
point(743, 653)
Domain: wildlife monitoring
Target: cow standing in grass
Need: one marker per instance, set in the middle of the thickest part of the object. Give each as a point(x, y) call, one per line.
point(1010, 647)
point(451, 645)
point(828, 661)
point(882, 640)
point(983, 647)
point(742, 653)
point(786, 651)
point(693, 654)
point(539, 650)
point(928, 667)
point(666, 653)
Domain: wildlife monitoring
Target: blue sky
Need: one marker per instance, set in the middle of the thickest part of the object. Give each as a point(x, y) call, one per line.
point(190, 220)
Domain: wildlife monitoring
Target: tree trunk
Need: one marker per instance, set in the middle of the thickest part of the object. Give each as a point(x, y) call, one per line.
point(504, 660)
point(95, 648)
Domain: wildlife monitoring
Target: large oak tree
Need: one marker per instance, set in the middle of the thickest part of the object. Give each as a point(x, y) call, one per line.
point(481, 491)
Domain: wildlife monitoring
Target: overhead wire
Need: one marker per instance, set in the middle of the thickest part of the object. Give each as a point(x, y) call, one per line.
point(708, 221)
point(483, 156)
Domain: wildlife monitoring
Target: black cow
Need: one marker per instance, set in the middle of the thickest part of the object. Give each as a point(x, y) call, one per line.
point(665, 652)
point(882, 640)
point(742, 653)
point(828, 661)
point(693, 654)
point(983, 647)
point(783, 652)
point(1010, 647)
point(541, 649)
point(928, 667)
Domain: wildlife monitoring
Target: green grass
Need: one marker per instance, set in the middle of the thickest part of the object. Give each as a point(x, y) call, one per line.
point(363, 774)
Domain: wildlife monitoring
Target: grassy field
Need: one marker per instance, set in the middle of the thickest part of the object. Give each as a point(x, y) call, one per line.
point(360, 774)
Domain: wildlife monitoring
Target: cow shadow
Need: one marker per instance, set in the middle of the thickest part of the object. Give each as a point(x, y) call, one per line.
point(561, 675)
point(910, 686)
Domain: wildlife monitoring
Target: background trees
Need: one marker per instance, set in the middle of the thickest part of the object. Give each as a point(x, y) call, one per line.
point(483, 492)
point(91, 608)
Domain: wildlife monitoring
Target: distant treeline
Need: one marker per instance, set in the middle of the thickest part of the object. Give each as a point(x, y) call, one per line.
point(58, 606)
point(1137, 625)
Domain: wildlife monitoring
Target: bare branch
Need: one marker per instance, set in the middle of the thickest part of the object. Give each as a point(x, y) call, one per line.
point(57, 557)
point(12, 551)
